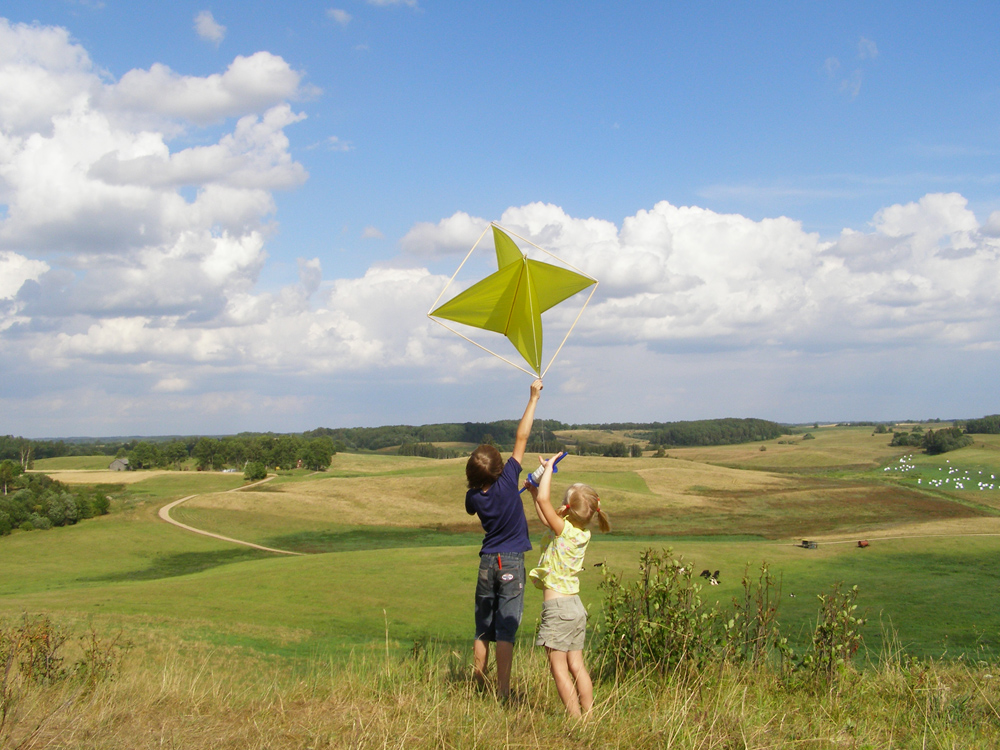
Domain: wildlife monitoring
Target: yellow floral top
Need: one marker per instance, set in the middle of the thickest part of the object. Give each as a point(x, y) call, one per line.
point(561, 560)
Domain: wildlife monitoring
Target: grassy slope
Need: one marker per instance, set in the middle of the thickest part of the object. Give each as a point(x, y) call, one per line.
point(63, 463)
point(132, 568)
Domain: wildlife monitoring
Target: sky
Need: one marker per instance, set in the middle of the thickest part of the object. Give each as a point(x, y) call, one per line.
point(224, 217)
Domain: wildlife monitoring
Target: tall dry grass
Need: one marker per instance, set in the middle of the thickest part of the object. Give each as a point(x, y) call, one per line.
point(172, 695)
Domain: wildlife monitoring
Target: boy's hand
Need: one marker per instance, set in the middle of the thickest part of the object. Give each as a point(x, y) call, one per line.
point(532, 489)
point(536, 388)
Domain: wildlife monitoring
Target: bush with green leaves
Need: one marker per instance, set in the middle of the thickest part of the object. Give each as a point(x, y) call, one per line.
point(659, 623)
point(254, 471)
point(31, 654)
point(752, 634)
point(837, 636)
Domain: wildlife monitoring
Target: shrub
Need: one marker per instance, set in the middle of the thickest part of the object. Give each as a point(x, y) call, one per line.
point(944, 440)
point(837, 636)
point(657, 622)
point(616, 449)
point(102, 504)
point(254, 471)
point(31, 655)
point(752, 633)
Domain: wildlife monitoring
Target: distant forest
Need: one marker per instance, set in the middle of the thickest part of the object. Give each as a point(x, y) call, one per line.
point(419, 440)
point(500, 433)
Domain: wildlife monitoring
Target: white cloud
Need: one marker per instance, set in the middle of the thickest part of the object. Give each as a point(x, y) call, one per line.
point(15, 270)
point(372, 233)
point(336, 144)
point(340, 16)
point(852, 84)
point(208, 28)
point(250, 84)
point(450, 236)
point(172, 385)
point(867, 50)
point(42, 74)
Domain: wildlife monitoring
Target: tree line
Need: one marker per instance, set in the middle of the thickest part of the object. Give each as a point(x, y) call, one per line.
point(948, 438)
point(283, 451)
point(989, 425)
point(500, 433)
point(728, 431)
point(236, 451)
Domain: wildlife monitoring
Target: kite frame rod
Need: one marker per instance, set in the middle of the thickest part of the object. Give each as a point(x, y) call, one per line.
point(566, 337)
point(488, 351)
point(467, 256)
point(551, 255)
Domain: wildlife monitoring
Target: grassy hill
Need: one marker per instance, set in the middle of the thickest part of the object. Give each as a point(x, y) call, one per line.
point(374, 525)
point(391, 554)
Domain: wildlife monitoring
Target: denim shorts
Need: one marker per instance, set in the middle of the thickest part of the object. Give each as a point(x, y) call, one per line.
point(499, 596)
point(564, 624)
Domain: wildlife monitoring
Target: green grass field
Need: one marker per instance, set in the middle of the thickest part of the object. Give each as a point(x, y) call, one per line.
point(364, 640)
point(389, 547)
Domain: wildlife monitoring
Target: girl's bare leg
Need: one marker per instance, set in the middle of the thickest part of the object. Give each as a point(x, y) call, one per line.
point(584, 686)
point(559, 666)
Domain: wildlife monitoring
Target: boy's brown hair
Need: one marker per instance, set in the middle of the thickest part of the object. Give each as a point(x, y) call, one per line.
point(484, 467)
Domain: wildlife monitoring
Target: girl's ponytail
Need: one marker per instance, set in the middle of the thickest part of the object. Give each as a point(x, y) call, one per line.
point(602, 519)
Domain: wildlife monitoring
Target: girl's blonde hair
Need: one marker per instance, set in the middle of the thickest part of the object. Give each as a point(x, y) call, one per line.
point(584, 504)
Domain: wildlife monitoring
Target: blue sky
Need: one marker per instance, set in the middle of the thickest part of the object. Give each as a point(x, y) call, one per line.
point(223, 217)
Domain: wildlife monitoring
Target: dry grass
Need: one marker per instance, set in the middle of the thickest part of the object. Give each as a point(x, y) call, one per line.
point(183, 697)
point(90, 476)
point(596, 437)
point(668, 496)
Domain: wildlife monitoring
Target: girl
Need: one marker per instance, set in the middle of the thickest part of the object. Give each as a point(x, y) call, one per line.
point(564, 619)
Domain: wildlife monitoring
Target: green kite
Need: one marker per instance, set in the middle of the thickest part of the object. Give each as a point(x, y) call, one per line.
point(511, 300)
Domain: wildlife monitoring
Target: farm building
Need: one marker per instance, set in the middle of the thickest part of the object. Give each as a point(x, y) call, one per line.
point(119, 464)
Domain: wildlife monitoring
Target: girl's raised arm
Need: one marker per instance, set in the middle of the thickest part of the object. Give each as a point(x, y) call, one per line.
point(543, 504)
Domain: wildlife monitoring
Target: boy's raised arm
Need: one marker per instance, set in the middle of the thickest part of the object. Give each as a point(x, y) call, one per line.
point(524, 426)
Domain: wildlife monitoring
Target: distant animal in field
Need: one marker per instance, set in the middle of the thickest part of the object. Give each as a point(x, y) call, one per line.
point(705, 574)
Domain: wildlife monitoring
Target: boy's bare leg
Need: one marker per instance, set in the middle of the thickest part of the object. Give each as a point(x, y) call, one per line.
point(584, 686)
point(505, 658)
point(559, 666)
point(480, 661)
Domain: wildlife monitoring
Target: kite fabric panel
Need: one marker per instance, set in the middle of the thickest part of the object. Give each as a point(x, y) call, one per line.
point(512, 299)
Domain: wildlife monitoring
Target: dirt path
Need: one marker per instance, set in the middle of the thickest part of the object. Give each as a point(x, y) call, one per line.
point(164, 513)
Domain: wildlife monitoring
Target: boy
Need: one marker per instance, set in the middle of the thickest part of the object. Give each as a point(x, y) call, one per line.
point(494, 495)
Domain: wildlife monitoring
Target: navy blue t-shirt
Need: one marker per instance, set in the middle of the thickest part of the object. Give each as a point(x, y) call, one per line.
point(501, 513)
